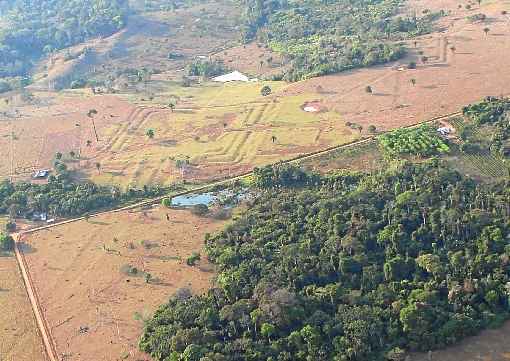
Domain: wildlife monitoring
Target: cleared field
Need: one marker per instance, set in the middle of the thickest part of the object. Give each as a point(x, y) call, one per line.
point(19, 338)
point(363, 157)
point(215, 130)
point(93, 299)
point(462, 64)
point(35, 129)
point(219, 130)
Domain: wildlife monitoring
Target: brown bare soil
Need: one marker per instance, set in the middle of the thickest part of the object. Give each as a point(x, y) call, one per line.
point(34, 131)
point(448, 80)
point(19, 338)
point(93, 305)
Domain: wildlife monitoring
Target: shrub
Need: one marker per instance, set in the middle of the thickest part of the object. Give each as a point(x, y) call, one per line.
point(265, 91)
point(129, 270)
point(166, 202)
point(191, 260)
point(6, 242)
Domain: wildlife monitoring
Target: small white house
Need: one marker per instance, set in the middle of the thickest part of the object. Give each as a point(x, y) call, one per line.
point(444, 131)
point(234, 76)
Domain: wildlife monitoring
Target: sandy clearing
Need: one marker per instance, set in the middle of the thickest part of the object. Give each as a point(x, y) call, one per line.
point(93, 307)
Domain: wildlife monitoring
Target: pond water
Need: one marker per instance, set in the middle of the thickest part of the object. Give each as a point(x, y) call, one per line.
point(194, 199)
point(209, 198)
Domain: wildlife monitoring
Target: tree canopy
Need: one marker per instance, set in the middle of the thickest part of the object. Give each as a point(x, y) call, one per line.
point(354, 267)
point(321, 37)
point(36, 27)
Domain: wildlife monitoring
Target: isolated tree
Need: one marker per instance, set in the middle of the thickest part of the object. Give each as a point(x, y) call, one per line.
point(148, 278)
point(261, 63)
point(89, 143)
point(369, 89)
point(72, 154)
point(150, 133)
point(413, 81)
point(360, 128)
point(91, 114)
point(372, 128)
point(273, 139)
point(479, 2)
point(265, 91)
point(424, 59)
point(58, 155)
point(452, 49)
point(171, 105)
point(98, 167)
point(486, 31)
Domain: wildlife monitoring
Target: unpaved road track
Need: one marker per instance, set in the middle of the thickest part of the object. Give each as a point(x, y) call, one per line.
point(42, 324)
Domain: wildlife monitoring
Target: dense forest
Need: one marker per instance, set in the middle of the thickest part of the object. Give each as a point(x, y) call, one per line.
point(347, 267)
point(322, 37)
point(487, 127)
point(31, 28)
point(62, 197)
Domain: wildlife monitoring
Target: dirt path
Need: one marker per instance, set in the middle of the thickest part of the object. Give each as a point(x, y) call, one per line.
point(42, 324)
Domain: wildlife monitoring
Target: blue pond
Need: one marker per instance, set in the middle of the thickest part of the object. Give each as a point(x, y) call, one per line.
point(194, 199)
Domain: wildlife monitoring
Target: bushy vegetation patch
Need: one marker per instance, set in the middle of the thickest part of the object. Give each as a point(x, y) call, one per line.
point(487, 127)
point(318, 38)
point(422, 141)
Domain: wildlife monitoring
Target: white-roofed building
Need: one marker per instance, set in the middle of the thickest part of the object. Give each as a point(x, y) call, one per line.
point(234, 76)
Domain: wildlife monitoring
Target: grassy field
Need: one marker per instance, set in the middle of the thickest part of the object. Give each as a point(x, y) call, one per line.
point(94, 301)
point(19, 338)
point(216, 130)
point(363, 157)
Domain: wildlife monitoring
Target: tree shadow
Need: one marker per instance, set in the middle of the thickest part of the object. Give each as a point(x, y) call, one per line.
point(438, 65)
point(26, 248)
